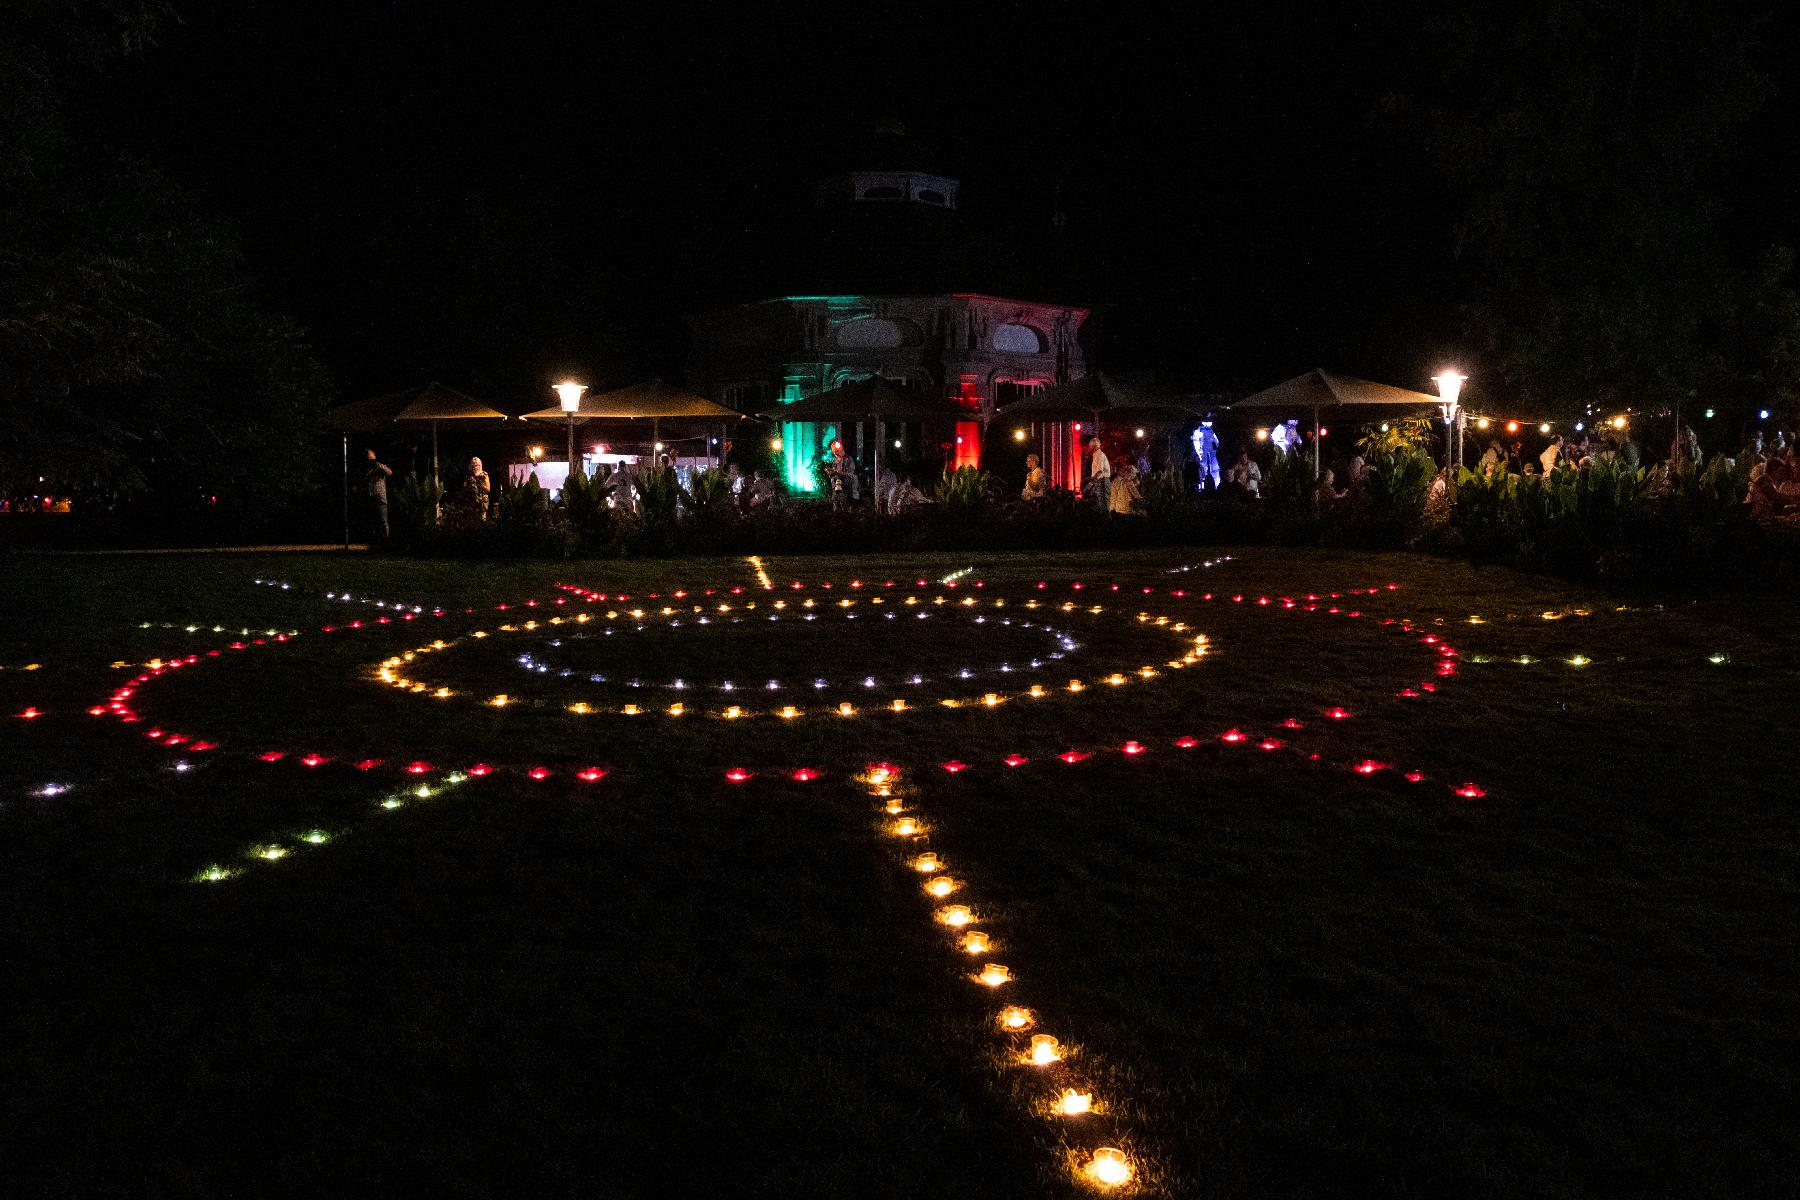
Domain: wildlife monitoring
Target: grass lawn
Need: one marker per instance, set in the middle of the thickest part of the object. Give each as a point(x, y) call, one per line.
point(1277, 976)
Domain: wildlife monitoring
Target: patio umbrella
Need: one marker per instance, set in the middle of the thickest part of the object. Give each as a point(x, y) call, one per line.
point(874, 398)
point(1319, 390)
point(1098, 395)
point(428, 405)
point(654, 401)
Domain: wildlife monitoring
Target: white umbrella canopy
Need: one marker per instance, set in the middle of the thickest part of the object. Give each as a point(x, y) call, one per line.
point(1319, 390)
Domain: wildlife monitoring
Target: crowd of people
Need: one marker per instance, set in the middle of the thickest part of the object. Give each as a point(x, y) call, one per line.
point(1773, 489)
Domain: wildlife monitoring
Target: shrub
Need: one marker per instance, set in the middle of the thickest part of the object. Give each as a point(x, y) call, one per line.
point(708, 493)
point(659, 495)
point(964, 493)
point(413, 505)
point(587, 507)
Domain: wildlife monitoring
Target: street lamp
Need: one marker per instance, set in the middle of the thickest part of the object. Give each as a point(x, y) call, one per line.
point(569, 395)
point(1449, 388)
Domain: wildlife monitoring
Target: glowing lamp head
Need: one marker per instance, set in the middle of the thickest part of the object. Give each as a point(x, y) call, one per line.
point(1073, 1103)
point(569, 395)
point(536, 453)
point(1544, 427)
point(1044, 1050)
point(1449, 385)
point(1109, 1167)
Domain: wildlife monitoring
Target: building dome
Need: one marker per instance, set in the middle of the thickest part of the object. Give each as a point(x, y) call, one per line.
point(887, 167)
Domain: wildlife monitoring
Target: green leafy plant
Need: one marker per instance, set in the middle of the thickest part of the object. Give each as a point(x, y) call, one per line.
point(586, 504)
point(1165, 495)
point(964, 492)
point(413, 510)
point(659, 495)
point(708, 493)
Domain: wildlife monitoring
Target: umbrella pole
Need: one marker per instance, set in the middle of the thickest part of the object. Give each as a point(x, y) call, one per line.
point(1315, 441)
point(437, 513)
point(875, 466)
point(346, 495)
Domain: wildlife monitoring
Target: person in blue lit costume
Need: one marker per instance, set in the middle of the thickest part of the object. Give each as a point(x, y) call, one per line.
point(1286, 437)
point(1206, 449)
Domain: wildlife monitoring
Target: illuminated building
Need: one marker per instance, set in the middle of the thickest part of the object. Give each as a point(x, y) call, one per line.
point(887, 276)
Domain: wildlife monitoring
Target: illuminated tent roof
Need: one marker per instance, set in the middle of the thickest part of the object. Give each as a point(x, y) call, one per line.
point(1320, 389)
point(652, 401)
point(1098, 395)
point(861, 399)
point(433, 402)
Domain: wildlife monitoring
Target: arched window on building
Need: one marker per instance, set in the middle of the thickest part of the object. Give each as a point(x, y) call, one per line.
point(1018, 339)
point(877, 333)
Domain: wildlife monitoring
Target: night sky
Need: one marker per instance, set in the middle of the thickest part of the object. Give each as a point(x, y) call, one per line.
point(488, 195)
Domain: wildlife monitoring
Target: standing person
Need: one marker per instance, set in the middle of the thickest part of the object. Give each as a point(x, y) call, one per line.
point(1549, 456)
point(1125, 493)
point(477, 488)
point(1494, 461)
point(1036, 485)
point(378, 495)
point(1206, 449)
point(1099, 476)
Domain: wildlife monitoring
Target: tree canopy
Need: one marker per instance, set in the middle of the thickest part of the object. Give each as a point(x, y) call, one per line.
point(134, 355)
point(1590, 145)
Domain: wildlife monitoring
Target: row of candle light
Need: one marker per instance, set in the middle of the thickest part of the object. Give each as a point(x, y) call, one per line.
point(396, 672)
point(1105, 1166)
point(276, 850)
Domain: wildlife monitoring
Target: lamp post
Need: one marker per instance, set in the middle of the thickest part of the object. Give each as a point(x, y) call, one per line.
point(569, 395)
point(1449, 388)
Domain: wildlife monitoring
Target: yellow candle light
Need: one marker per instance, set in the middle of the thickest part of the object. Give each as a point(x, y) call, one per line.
point(927, 863)
point(733, 713)
point(1037, 691)
point(846, 709)
point(975, 942)
point(1044, 1050)
point(1014, 1017)
point(942, 885)
point(789, 712)
point(899, 706)
point(906, 827)
point(955, 915)
point(675, 710)
point(1109, 1167)
point(1073, 1103)
point(994, 975)
point(632, 710)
